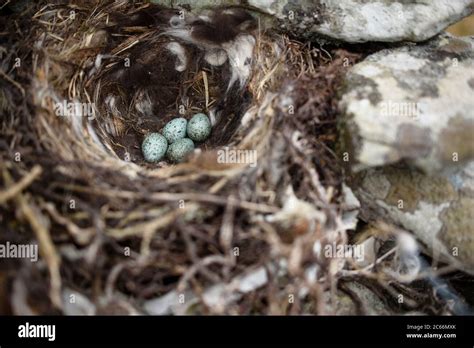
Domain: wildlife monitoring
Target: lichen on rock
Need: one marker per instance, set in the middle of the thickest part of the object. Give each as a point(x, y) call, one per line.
point(350, 20)
point(438, 210)
point(366, 20)
point(412, 103)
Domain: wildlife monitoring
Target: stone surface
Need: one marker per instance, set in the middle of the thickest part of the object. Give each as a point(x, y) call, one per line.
point(352, 20)
point(368, 303)
point(413, 103)
point(367, 20)
point(196, 4)
point(438, 210)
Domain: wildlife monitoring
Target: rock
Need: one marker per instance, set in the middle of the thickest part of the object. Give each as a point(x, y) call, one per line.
point(196, 4)
point(368, 303)
point(412, 103)
point(351, 20)
point(438, 210)
point(371, 303)
point(350, 207)
point(366, 20)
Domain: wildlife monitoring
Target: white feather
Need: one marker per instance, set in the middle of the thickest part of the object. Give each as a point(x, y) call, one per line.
point(179, 51)
point(215, 57)
point(240, 52)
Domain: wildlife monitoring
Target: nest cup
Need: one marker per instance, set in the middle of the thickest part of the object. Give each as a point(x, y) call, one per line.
point(136, 85)
point(103, 77)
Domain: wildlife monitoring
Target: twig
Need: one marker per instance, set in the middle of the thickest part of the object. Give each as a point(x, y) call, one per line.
point(175, 197)
point(16, 188)
point(13, 82)
point(206, 88)
point(47, 249)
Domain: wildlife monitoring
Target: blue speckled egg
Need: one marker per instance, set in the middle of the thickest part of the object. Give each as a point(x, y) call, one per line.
point(175, 129)
point(178, 151)
point(199, 127)
point(154, 147)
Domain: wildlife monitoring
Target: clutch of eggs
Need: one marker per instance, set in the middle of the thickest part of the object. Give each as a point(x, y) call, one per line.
point(173, 141)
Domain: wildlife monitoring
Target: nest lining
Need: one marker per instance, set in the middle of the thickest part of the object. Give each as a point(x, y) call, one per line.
point(90, 195)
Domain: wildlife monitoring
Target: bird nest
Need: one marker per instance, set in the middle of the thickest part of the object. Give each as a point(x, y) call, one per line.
point(83, 83)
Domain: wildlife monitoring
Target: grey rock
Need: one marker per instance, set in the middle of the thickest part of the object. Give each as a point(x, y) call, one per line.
point(438, 210)
point(367, 20)
point(412, 103)
point(351, 20)
point(196, 4)
point(368, 303)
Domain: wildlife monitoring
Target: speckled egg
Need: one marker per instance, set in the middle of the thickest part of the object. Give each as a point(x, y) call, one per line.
point(178, 151)
point(175, 129)
point(154, 147)
point(199, 127)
